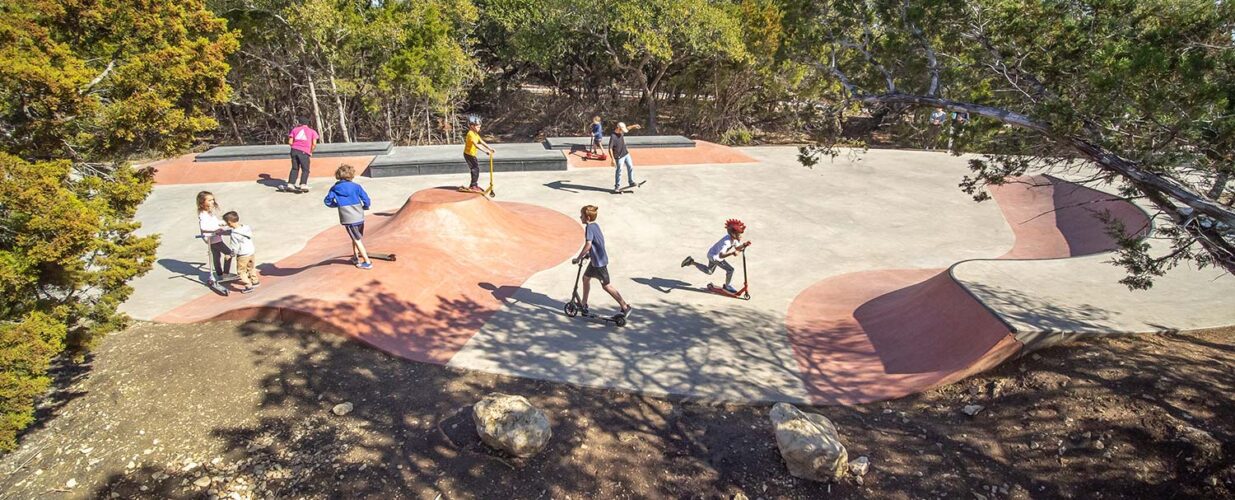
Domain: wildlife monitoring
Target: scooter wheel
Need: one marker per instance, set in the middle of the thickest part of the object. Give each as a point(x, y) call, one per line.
point(571, 309)
point(746, 296)
point(619, 320)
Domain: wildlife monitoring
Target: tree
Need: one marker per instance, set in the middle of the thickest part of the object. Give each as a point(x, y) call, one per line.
point(84, 86)
point(390, 69)
point(1143, 90)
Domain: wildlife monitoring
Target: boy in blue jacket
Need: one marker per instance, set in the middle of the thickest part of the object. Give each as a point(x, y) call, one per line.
point(352, 201)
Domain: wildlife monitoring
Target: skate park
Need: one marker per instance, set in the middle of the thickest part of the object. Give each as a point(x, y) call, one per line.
point(871, 277)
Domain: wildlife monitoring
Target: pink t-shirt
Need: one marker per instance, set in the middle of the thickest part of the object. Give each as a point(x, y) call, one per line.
point(302, 138)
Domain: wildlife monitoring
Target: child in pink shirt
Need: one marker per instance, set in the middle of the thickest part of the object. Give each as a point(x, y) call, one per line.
point(303, 141)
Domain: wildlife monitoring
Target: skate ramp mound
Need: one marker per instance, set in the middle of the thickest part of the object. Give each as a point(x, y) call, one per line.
point(882, 334)
point(454, 249)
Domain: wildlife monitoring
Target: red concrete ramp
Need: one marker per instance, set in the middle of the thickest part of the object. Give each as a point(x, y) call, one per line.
point(454, 250)
point(877, 335)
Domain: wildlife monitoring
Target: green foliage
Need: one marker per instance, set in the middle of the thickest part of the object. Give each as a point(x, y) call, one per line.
point(386, 70)
point(83, 87)
point(738, 136)
point(1143, 89)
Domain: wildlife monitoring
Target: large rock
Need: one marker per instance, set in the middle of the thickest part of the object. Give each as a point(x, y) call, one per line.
point(809, 444)
point(512, 424)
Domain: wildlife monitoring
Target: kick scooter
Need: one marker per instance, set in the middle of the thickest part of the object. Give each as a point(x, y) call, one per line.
point(744, 292)
point(488, 191)
point(575, 306)
point(215, 284)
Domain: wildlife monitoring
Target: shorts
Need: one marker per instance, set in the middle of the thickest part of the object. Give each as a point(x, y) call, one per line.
point(355, 231)
point(596, 141)
point(601, 273)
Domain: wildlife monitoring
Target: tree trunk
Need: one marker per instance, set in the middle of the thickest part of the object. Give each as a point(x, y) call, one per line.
point(338, 101)
point(317, 112)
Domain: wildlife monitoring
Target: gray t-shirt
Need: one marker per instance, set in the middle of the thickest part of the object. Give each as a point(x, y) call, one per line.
point(593, 235)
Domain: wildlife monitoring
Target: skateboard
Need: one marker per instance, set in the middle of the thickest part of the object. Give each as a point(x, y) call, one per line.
point(284, 188)
point(631, 189)
point(383, 256)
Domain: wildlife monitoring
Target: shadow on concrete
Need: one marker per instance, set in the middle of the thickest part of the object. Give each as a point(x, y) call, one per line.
point(665, 285)
point(568, 187)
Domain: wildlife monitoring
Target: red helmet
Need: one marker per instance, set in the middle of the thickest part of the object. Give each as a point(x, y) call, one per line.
point(735, 225)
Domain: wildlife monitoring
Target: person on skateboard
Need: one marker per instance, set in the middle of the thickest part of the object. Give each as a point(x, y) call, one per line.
point(729, 245)
point(303, 140)
point(352, 201)
point(621, 156)
point(598, 268)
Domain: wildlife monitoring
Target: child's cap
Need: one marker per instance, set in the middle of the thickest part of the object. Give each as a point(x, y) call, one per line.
point(622, 126)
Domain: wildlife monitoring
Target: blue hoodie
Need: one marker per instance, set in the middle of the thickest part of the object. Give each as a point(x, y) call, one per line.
point(350, 199)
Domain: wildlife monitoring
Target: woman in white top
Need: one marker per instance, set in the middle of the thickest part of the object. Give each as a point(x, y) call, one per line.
point(213, 228)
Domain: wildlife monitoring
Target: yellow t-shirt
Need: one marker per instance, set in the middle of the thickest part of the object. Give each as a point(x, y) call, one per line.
point(469, 143)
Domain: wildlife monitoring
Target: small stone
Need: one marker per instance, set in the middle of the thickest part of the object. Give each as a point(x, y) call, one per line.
point(740, 496)
point(972, 410)
point(1213, 480)
point(1099, 445)
point(144, 488)
point(130, 465)
point(71, 483)
point(159, 476)
point(342, 409)
point(860, 466)
point(202, 482)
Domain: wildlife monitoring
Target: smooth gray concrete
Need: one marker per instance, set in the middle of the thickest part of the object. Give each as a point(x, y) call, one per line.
point(279, 151)
point(632, 141)
point(1052, 301)
point(448, 159)
point(881, 210)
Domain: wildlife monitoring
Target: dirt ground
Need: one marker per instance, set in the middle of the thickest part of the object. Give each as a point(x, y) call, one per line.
point(244, 410)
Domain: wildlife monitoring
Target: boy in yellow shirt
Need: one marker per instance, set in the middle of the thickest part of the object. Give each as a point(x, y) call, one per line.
point(471, 143)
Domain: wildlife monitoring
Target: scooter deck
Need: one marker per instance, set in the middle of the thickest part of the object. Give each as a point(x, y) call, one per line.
point(285, 189)
point(487, 192)
point(743, 294)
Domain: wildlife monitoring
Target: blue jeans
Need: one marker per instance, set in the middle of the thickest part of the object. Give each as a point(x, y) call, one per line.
point(617, 173)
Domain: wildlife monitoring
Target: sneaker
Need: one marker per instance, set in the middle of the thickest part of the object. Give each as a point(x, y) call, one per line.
point(626, 312)
point(617, 190)
point(303, 187)
point(731, 289)
point(365, 265)
point(248, 289)
point(584, 311)
point(631, 185)
point(688, 261)
point(355, 260)
point(476, 189)
point(255, 285)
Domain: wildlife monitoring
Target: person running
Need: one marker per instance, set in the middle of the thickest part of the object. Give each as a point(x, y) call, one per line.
point(241, 238)
point(729, 245)
point(352, 201)
point(212, 229)
point(472, 142)
point(598, 268)
point(621, 156)
point(303, 140)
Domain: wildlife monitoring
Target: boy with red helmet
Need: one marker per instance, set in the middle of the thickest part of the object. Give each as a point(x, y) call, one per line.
point(728, 246)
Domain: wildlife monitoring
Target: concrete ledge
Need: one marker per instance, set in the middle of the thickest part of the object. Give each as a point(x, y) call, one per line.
point(448, 159)
point(632, 141)
point(281, 151)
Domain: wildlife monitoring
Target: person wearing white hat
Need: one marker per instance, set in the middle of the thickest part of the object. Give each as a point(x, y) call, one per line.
point(621, 156)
